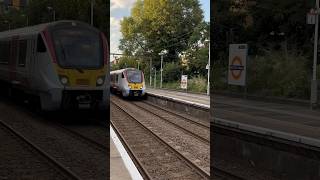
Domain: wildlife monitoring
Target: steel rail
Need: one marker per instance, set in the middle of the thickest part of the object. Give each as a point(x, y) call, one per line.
point(176, 125)
point(176, 114)
point(133, 156)
point(42, 152)
point(179, 155)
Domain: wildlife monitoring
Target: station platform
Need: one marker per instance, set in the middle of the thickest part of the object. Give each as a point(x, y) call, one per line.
point(286, 121)
point(121, 166)
point(199, 99)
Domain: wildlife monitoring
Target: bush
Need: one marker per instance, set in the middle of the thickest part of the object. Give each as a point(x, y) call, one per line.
point(197, 84)
point(171, 72)
point(277, 75)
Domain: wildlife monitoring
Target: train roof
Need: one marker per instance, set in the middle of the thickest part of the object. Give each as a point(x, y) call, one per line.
point(122, 70)
point(31, 30)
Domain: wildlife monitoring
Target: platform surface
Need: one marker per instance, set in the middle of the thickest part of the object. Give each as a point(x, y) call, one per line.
point(200, 99)
point(292, 122)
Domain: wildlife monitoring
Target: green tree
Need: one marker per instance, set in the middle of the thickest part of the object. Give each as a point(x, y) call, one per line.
point(156, 25)
point(171, 72)
point(38, 12)
point(126, 62)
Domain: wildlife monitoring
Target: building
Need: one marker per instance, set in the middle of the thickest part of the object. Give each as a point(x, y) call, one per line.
point(18, 4)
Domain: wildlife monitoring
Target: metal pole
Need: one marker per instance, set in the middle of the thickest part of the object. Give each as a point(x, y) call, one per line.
point(150, 71)
point(208, 88)
point(138, 65)
point(314, 87)
point(161, 71)
point(155, 77)
point(91, 12)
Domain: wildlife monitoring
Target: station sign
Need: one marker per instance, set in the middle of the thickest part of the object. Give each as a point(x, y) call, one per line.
point(237, 64)
point(311, 16)
point(184, 82)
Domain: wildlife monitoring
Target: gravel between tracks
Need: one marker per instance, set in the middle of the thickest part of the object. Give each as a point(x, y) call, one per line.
point(85, 161)
point(21, 161)
point(190, 147)
point(156, 158)
point(201, 131)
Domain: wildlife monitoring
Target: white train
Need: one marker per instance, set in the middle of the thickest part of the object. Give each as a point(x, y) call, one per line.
point(128, 82)
point(64, 63)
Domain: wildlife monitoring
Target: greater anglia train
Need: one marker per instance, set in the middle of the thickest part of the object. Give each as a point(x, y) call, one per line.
point(128, 82)
point(64, 64)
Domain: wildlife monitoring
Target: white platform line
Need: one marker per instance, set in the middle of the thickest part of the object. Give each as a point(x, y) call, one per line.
point(133, 171)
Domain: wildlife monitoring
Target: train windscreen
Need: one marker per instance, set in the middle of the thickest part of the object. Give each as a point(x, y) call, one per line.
point(134, 76)
point(78, 48)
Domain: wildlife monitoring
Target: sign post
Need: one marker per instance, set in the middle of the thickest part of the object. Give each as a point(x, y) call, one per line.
point(184, 82)
point(237, 64)
point(314, 84)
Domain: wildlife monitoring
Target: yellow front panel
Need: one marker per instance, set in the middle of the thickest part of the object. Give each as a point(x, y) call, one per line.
point(82, 78)
point(135, 86)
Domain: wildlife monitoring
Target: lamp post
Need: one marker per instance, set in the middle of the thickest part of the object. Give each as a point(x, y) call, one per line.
point(314, 86)
point(53, 12)
point(208, 67)
point(161, 54)
point(23, 15)
point(92, 4)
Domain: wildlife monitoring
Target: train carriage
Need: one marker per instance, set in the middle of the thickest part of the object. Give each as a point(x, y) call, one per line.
point(128, 82)
point(64, 63)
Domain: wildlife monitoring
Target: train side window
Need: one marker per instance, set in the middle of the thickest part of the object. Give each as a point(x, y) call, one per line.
point(41, 47)
point(4, 52)
point(22, 52)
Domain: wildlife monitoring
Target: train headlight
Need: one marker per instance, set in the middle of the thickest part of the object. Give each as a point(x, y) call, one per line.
point(64, 80)
point(100, 81)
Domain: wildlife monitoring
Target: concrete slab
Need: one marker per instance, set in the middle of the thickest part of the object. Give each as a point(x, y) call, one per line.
point(191, 98)
point(290, 122)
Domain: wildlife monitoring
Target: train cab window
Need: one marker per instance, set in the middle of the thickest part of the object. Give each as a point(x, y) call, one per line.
point(41, 47)
point(122, 75)
point(22, 52)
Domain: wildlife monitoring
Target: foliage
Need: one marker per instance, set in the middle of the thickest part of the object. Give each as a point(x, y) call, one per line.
point(197, 61)
point(171, 72)
point(125, 62)
point(37, 12)
point(280, 45)
point(276, 75)
point(197, 84)
point(156, 25)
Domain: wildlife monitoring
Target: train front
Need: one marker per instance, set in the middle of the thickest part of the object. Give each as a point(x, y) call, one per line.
point(81, 62)
point(136, 84)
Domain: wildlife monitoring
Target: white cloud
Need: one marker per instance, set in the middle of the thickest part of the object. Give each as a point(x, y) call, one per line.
point(121, 4)
point(119, 9)
point(115, 34)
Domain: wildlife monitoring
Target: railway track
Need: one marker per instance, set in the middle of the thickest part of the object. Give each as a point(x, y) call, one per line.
point(80, 136)
point(181, 115)
point(68, 174)
point(155, 157)
point(193, 128)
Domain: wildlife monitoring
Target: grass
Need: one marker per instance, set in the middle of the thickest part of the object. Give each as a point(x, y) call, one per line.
point(196, 84)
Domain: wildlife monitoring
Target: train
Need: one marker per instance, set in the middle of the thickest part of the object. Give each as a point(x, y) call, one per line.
point(128, 82)
point(64, 64)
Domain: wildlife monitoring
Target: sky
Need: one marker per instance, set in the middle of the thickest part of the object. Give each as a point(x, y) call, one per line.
point(121, 8)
